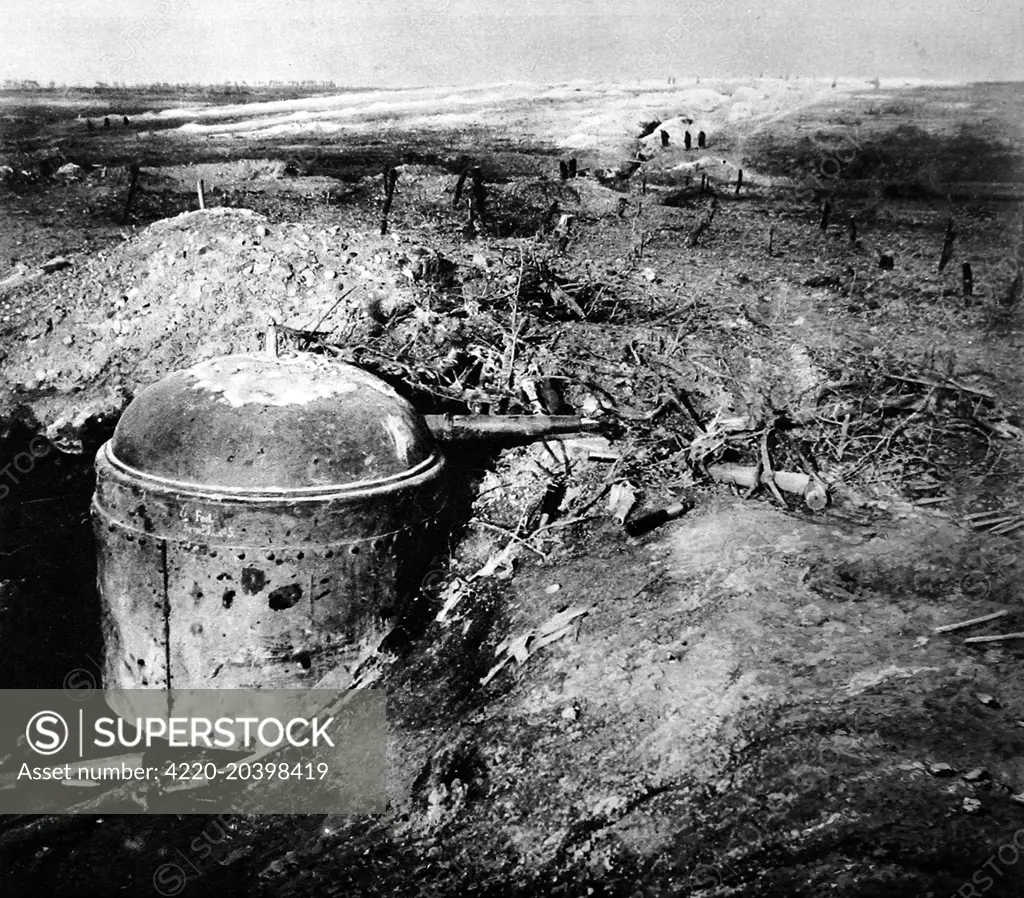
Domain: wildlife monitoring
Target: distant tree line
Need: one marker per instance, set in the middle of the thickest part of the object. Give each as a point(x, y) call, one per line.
point(225, 89)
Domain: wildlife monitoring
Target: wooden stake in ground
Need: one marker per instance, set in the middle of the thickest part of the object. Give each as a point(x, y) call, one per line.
point(771, 240)
point(549, 218)
point(478, 207)
point(664, 138)
point(390, 180)
point(702, 140)
point(703, 223)
point(1015, 291)
point(851, 229)
point(458, 187)
point(968, 278)
point(739, 181)
point(201, 192)
point(563, 170)
point(133, 183)
point(826, 214)
point(687, 140)
point(947, 245)
point(572, 167)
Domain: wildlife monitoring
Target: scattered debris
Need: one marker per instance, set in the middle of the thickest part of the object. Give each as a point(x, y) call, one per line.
point(974, 621)
point(521, 648)
point(499, 565)
point(644, 523)
point(1004, 638)
point(813, 492)
point(456, 591)
point(621, 501)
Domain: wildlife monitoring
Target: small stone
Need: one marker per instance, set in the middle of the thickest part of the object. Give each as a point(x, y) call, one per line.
point(650, 275)
point(1019, 798)
point(481, 261)
point(571, 713)
point(69, 170)
point(591, 405)
point(810, 615)
point(972, 806)
point(986, 699)
point(552, 588)
point(977, 775)
point(68, 340)
point(941, 770)
point(261, 231)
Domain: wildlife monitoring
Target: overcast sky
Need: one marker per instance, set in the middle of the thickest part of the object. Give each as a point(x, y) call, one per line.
point(422, 42)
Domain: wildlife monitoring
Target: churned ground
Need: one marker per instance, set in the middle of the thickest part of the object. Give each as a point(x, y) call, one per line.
point(749, 700)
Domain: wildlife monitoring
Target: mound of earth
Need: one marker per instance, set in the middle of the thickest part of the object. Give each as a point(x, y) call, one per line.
point(183, 290)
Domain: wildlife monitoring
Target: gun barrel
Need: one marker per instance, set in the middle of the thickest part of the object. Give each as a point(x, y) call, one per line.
point(505, 430)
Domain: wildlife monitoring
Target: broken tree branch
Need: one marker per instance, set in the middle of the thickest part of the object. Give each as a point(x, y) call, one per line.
point(985, 618)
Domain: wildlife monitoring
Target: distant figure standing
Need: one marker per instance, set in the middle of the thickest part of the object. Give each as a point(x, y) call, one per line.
point(702, 140)
point(687, 142)
point(89, 125)
point(106, 121)
point(126, 122)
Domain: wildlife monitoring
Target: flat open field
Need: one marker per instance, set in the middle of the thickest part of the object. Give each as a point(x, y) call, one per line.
point(752, 699)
